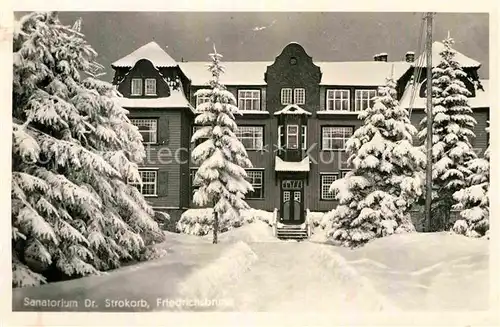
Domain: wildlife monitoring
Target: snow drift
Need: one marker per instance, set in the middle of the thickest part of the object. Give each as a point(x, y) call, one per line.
point(207, 282)
point(199, 221)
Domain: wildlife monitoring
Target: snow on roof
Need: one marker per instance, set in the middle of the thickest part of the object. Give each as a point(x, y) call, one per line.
point(152, 52)
point(437, 47)
point(236, 72)
point(175, 100)
point(481, 100)
point(282, 165)
point(292, 109)
point(371, 73)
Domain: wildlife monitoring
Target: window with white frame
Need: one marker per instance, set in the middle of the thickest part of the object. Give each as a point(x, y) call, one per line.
point(150, 86)
point(292, 136)
point(338, 100)
point(249, 100)
point(255, 177)
point(147, 187)
point(286, 96)
point(299, 96)
point(303, 136)
point(335, 137)
point(202, 99)
point(148, 127)
point(364, 99)
point(252, 137)
point(136, 86)
point(326, 182)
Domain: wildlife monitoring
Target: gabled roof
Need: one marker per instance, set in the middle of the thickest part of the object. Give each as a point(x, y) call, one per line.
point(369, 73)
point(285, 166)
point(481, 100)
point(152, 52)
point(236, 72)
point(292, 109)
point(437, 47)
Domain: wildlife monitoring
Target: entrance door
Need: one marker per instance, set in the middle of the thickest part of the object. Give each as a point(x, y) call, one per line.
point(292, 202)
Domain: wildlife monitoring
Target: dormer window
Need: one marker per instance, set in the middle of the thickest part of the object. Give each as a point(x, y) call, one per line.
point(136, 86)
point(150, 86)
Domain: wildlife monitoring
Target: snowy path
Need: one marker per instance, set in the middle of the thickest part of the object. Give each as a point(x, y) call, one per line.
point(402, 272)
point(291, 276)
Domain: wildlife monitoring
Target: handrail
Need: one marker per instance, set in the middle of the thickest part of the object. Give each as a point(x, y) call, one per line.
point(275, 221)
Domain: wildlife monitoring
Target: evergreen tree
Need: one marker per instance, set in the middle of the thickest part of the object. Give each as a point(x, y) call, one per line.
point(473, 201)
point(73, 151)
point(221, 158)
point(451, 129)
point(376, 196)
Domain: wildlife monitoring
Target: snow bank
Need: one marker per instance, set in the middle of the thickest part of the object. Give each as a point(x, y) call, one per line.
point(199, 221)
point(424, 271)
point(258, 231)
point(358, 289)
point(207, 282)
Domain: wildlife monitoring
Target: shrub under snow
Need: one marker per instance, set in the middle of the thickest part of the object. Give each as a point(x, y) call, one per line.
point(199, 222)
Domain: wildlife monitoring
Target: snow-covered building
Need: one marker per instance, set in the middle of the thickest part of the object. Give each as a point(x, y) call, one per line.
point(296, 117)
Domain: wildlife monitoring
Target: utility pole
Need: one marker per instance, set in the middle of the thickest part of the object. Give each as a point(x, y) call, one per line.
point(428, 171)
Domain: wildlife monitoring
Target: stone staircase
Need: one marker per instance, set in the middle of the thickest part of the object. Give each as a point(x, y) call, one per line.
point(293, 232)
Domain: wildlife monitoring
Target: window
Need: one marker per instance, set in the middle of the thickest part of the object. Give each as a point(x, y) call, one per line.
point(326, 182)
point(299, 96)
point(303, 137)
point(292, 137)
point(136, 87)
point(343, 157)
point(344, 173)
point(364, 99)
point(286, 96)
point(200, 140)
point(148, 129)
point(249, 99)
point(252, 137)
point(148, 185)
point(202, 99)
point(150, 88)
point(192, 174)
point(337, 100)
point(334, 138)
point(255, 177)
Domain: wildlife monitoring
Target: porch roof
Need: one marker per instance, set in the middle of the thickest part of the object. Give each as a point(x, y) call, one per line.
point(289, 166)
point(292, 109)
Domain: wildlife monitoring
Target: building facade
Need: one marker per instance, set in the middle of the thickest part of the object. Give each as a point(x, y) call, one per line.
point(296, 117)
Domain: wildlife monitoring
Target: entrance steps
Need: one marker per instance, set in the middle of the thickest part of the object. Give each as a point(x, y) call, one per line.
point(295, 232)
point(288, 231)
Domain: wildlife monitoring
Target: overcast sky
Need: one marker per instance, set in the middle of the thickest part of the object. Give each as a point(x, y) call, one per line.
point(242, 36)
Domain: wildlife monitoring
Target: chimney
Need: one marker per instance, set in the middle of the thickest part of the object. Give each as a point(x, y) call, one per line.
point(383, 57)
point(410, 56)
point(376, 57)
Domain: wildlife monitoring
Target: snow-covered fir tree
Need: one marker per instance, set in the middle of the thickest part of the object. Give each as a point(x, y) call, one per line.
point(73, 151)
point(376, 195)
point(452, 127)
point(222, 158)
point(473, 201)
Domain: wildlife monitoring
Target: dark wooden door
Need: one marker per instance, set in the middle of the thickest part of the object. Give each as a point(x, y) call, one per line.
point(292, 202)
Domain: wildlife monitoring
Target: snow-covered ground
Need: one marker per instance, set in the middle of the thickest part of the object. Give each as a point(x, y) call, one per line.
point(252, 271)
